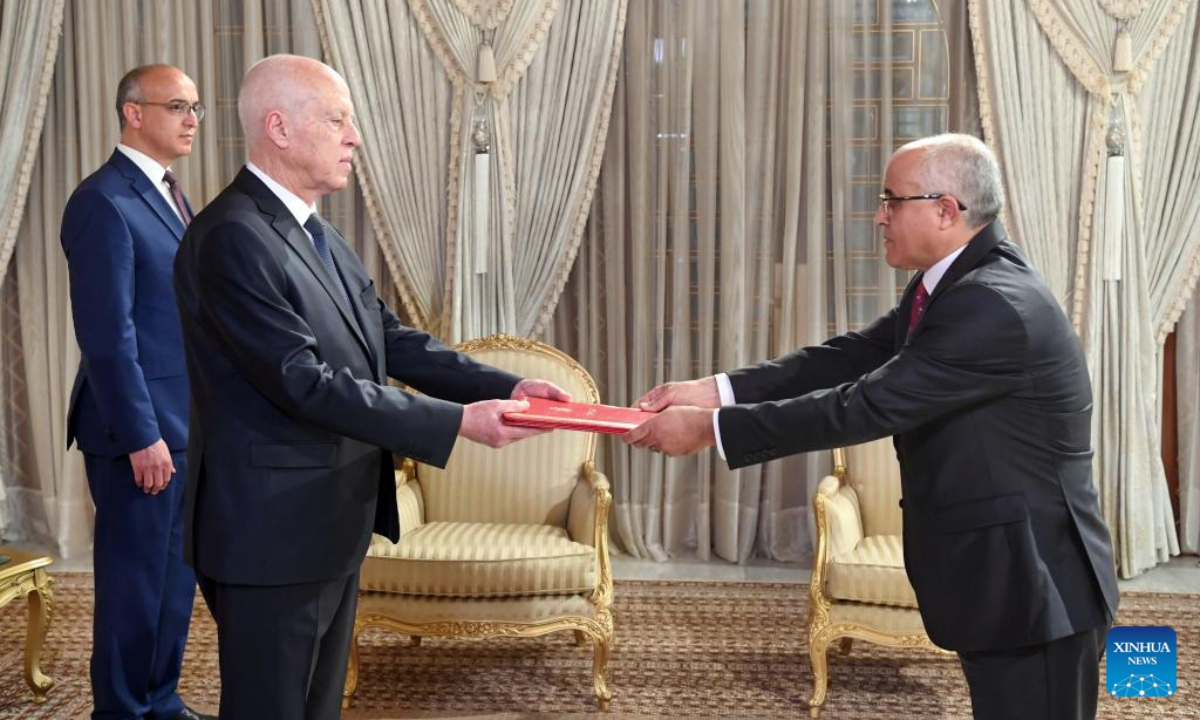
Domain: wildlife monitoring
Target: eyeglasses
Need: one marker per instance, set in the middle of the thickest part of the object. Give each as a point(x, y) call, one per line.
point(886, 201)
point(178, 108)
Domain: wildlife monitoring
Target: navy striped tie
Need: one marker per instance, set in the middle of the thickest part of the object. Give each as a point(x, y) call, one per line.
point(316, 227)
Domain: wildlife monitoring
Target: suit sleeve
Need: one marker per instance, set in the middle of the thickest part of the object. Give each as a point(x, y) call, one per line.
point(423, 362)
point(100, 261)
point(839, 360)
point(243, 291)
point(970, 350)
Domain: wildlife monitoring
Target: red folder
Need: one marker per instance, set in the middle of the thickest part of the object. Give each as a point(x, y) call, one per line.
point(609, 419)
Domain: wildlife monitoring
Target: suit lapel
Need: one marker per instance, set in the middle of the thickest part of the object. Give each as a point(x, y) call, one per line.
point(285, 224)
point(350, 268)
point(150, 194)
point(977, 249)
point(984, 242)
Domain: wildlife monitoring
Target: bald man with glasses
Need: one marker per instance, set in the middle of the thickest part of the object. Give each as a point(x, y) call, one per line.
point(981, 382)
point(129, 407)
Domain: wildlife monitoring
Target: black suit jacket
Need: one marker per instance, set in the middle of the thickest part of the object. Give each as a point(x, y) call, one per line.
point(292, 428)
point(989, 403)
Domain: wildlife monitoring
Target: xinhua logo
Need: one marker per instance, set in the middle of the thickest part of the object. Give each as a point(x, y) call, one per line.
point(1141, 662)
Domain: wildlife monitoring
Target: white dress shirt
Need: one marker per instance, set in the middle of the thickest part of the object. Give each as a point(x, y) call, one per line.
point(299, 209)
point(156, 172)
point(930, 280)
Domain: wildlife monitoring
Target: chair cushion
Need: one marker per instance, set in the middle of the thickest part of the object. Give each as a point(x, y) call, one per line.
point(872, 572)
point(456, 559)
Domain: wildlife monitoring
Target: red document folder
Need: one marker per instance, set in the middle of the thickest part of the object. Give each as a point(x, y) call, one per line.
point(609, 419)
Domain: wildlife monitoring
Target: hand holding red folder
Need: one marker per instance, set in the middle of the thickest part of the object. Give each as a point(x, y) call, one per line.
point(683, 422)
point(483, 420)
point(557, 415)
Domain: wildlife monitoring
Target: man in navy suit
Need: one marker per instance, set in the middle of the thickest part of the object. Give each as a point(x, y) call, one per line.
point(129, 406)
point(982, 383)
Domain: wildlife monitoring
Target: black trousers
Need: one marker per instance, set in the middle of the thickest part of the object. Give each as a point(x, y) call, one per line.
point(283, 649)
point(1058, 680)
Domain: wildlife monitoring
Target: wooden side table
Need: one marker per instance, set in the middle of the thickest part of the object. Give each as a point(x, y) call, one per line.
point(24, 575)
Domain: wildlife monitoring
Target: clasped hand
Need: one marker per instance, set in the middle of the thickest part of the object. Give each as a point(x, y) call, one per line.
point(152, 467)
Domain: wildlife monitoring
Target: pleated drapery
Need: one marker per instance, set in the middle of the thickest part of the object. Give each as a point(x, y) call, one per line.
point(413, 70)
point(1113, 229)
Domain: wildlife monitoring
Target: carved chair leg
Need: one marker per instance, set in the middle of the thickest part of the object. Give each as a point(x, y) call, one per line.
point(602, 647)
point(41, 606)
point(847, 643)
point(817, 647)
point(351, 669)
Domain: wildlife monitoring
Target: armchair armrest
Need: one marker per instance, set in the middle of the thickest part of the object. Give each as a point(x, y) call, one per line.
point(843, 519)
point(409, 499)
point(583, 515)
point(587, 523)
point(839, 528)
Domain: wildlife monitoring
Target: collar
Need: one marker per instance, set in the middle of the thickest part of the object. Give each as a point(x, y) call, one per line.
point(148, 165)
point(297, 207)
point(933, 275)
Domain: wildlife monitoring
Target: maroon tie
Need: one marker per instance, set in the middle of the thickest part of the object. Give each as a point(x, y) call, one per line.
point(177, 196)
point(920, 300)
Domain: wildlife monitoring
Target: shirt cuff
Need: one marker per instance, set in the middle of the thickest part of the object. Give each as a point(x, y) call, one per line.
point(717, 433)
point(725, 389)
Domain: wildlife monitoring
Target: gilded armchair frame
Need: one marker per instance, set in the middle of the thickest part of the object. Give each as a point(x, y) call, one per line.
point(598, 628)
point(825, 621)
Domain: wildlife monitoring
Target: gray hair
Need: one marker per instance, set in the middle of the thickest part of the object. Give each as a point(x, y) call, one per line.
point(962, 166)
point(129, 90)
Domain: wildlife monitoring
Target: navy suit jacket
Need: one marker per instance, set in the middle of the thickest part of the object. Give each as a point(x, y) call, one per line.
point(989, 405)
point(120, 237)
point(293, 430)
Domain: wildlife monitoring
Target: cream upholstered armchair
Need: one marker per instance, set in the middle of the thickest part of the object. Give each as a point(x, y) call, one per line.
point(510, 542)
point(858, 587)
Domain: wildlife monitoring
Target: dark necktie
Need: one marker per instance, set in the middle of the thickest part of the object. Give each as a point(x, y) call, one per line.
point(920, 300)
point(316, 227)
point(177, 196)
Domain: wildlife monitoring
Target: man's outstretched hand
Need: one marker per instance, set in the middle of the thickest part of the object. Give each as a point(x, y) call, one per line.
point(700, 393)
point(532, 387)
point(675, 431)
point(483, 421)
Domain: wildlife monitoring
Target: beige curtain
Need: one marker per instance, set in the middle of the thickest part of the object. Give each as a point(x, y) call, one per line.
point(1187, 371)
point(29, 33)
point(213, 42)
point(1115, 236)
point(725, 231)
point(698, 256)
point(414, 73)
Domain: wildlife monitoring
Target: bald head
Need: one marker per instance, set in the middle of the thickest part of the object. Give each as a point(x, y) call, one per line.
point(160, 112)
point(963, 166)
point(298, 121)
point(281, 83)
point(130, 89)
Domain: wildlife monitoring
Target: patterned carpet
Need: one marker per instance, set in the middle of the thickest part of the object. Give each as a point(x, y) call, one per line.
point(683, 650)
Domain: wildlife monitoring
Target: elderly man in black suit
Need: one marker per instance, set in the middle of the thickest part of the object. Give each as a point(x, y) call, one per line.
point(293, 427)
point(982, 382)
